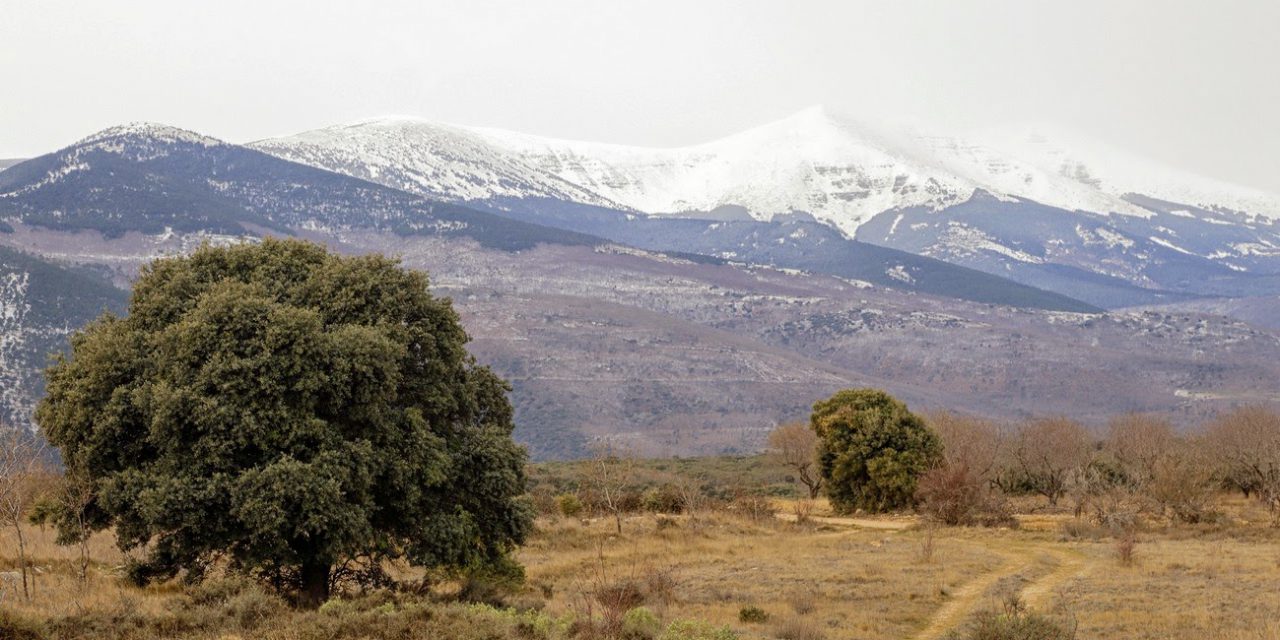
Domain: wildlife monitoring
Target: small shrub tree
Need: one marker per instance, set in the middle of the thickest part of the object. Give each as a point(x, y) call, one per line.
point(872, 450)
point(569, 504)
point(1138, 443)
point(962, 488)
point(1246, 443)
point(1050, 452)
point(795, 444)
point(21, 469)
point(610, 473)
point(1181, 485)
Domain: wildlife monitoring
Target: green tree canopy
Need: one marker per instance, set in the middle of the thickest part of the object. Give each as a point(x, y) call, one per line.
point(871, 450)
point(290, 410)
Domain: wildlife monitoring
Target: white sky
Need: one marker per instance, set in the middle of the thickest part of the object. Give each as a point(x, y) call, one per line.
point(1195, 84)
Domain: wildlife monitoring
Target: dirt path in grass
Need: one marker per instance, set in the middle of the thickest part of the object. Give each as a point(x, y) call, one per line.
point(897, 524)
point(976, 594)
point(1036, 592)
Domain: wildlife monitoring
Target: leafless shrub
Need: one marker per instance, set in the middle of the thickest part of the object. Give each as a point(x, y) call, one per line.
point(1050, 452)
point(795, 444)
point(694, 503)
point(952, 495)
point(927, 545)
point(601, 603)
point(803, 601)
point(1138, 443)
point(968, 442)
point(610, 472)
point(754, 507)
point(1246, 443)
point(1126, 544)
point(963, 489)
point(75, 497)
point(803, 511)
point(21, 472)
point(1181, 484)
point(797, 628)
point(1108, 501)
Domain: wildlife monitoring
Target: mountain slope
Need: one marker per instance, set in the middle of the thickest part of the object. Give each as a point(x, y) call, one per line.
point(676, 354)
point(799, 242)
point(1113, 229)
point(154, 178)
point(435, 160)
point(40, 304)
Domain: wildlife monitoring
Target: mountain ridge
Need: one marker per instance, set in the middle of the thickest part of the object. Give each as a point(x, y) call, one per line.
point(957, 199)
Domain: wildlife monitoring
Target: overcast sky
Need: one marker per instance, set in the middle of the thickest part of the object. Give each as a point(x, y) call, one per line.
point(1194, 84)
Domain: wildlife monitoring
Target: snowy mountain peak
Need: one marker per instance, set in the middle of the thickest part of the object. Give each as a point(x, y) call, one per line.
point(439, 160)
point(843, 171)
point(150, 131)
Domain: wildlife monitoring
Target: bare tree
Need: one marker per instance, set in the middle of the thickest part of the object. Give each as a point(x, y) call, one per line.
point(21, 461)
point(1246, 443)
point(795, 444)
point(1050, 452)
point(962, 488)
point(1139, 444)
point(610, 472)
point(968, 442)
point(75, 497)
point(1181, 486)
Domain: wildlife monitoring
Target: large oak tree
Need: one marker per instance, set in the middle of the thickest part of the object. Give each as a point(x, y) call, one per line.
point(288, 409)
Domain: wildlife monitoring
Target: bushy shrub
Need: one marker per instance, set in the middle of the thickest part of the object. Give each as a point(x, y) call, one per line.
point(752, 614)
point(799, 629)
point(1015, 625)
point(951, 495)
point(754, 507)
point(803, 601)
point(872, 450)
point(569, 504)
point(640, 624)
point(490, 583)
point(697, 630)
point(662, 499)
point(1080, 529)
point(18, 628)
point(544, 501)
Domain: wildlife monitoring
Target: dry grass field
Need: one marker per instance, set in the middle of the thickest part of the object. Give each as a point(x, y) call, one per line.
point(768, 577)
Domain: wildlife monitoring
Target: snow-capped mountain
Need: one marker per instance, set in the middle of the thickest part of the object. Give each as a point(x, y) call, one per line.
point(1110, 170)
point(840, 171)
point(1039, 205)
point(431, 159)
point(666, 349)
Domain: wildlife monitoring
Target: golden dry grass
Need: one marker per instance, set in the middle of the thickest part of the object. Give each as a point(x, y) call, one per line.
point(837, 577)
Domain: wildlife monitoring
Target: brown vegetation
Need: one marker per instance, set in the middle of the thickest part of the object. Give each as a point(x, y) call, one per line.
point(730, 548)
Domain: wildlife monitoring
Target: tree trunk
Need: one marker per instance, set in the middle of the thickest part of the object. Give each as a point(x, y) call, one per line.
point(315, 584)
point(22, 559)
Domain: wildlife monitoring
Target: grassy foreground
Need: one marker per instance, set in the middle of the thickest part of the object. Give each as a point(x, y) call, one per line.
point(722, 574)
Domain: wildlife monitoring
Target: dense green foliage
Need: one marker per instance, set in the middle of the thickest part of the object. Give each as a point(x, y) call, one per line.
point(291, 410)
point(872, 450)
